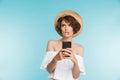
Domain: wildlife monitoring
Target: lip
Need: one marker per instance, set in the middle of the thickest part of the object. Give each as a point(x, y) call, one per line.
point(67, 32)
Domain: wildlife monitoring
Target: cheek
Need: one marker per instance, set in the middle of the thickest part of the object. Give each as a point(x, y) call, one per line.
point(72, 31)
point(62, 30)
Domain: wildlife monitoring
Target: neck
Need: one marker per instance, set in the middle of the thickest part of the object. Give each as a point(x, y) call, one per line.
point(66, 39)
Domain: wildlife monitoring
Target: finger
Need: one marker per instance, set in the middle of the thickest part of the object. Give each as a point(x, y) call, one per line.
point(63, 50)
point(66, 54)
point(63, 54)
point(68, 51)
point(67, 57)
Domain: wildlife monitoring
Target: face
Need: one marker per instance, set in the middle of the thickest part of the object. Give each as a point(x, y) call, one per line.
point(66, 28)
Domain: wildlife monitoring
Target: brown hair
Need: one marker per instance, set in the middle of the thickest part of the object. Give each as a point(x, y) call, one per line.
point(74, 24)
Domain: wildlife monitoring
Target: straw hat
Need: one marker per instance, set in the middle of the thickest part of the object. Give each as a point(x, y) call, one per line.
point(73, 14)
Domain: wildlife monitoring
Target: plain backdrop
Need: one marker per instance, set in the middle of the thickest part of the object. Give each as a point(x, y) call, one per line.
point(27, 25)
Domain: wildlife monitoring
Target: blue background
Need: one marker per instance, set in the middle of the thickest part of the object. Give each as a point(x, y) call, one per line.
point(27, 25)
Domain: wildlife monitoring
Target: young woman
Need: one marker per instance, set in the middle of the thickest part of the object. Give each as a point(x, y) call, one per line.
point(65, 64)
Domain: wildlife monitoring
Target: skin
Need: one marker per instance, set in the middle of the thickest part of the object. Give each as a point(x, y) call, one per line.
point(56, 45)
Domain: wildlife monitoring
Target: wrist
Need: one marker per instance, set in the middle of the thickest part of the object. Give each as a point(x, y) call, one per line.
point(54, 60)
point(75, 61)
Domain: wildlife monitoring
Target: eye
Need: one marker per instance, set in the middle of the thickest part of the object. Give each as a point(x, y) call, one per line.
point(62, 25)
point(70, 25)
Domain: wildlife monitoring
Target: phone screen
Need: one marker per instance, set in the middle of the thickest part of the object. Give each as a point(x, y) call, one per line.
point(66, 44)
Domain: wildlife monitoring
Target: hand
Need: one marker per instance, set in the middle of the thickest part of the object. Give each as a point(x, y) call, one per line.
point(68, 53)
point(59, 56)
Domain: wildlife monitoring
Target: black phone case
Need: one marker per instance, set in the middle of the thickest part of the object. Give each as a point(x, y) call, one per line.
point(66, 44)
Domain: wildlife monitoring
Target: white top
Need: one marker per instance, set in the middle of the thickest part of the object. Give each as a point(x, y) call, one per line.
point(63, 69)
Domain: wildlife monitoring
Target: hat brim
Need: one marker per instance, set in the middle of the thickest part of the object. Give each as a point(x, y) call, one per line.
point(73, 14)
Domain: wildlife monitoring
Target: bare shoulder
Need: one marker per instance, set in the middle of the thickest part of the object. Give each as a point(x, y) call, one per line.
point(80, 49)
point(50, 45)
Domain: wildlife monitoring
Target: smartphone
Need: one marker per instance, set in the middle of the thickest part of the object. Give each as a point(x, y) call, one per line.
point(66, 44)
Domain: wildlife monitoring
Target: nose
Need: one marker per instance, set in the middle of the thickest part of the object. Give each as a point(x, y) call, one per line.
point(66, 27)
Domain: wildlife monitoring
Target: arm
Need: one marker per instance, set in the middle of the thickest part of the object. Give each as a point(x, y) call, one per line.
point(76, 70)
point(52, 65)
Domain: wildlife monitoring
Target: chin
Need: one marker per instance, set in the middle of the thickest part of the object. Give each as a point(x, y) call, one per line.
point(67, 36)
